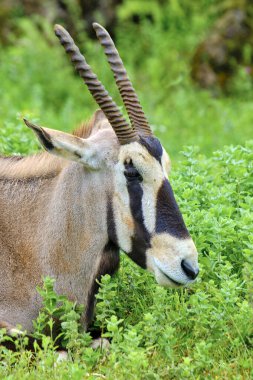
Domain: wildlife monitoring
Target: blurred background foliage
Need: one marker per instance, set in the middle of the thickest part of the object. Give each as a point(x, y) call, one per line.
point(190, 62)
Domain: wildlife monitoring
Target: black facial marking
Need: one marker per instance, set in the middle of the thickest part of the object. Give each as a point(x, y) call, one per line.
point(141, 239)
point(135, 194)
point(109, 264)
point(131, 173)
point(168, 215)
point(153, 146)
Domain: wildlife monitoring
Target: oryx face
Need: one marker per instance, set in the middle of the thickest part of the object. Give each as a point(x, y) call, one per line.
point(149, 226)
point(147, 222)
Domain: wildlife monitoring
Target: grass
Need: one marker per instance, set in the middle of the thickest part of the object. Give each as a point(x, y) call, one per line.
point(203, 332)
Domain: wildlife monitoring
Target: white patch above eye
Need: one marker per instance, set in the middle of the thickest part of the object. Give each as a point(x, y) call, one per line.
point(145, 163)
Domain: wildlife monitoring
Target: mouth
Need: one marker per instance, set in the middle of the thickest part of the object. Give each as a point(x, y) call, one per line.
point(169, 278)
point(160, 269)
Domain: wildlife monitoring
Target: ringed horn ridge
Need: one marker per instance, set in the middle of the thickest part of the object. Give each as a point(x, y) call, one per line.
point(127, 92)
point(125, 133)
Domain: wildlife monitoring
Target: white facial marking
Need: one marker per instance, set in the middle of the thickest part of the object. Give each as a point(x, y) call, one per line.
point(149, 207)
point(153, 176)
point(150, 191)
point(165, 256)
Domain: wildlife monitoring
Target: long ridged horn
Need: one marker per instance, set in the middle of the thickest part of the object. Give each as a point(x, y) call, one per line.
point(123, 130)
point(127, 92)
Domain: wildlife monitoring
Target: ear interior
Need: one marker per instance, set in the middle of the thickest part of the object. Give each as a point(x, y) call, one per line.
point(70, 147)
point(43, 136)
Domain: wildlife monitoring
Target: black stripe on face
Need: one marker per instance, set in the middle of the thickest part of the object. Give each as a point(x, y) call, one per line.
point(153, 146)
point(168, 216)
point(141, 238)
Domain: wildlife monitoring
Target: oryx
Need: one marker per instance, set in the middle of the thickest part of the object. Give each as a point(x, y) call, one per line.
point(67, 212)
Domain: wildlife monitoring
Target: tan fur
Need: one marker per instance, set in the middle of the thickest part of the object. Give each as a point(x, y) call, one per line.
point(53, 218)
point(49, 225)
point(86, 129)
point(39, 165)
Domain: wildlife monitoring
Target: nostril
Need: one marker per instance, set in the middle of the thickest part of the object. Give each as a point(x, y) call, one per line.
point(189, 270)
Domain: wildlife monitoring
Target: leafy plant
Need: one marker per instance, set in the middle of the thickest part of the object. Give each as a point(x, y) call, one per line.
point(202, 332)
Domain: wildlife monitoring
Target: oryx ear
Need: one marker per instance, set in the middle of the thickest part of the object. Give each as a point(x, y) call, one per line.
point(66, 146)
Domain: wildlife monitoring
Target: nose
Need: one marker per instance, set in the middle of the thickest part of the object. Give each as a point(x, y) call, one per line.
point(189, 270)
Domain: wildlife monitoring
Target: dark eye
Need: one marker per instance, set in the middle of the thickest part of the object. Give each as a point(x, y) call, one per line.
point(131, 173)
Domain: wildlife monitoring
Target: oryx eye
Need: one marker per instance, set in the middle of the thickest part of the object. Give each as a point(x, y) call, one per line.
point(131, 173)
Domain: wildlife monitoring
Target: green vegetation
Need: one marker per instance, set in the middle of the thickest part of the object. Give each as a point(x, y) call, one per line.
point(202, 332)
point(37, 81)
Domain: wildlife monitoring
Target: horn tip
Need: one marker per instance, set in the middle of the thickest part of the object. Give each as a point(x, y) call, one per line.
point(57, 26)
point(59, 29)
point(97, 26)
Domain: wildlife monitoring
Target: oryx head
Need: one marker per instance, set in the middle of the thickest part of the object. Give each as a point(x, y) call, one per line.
point(145, 219)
